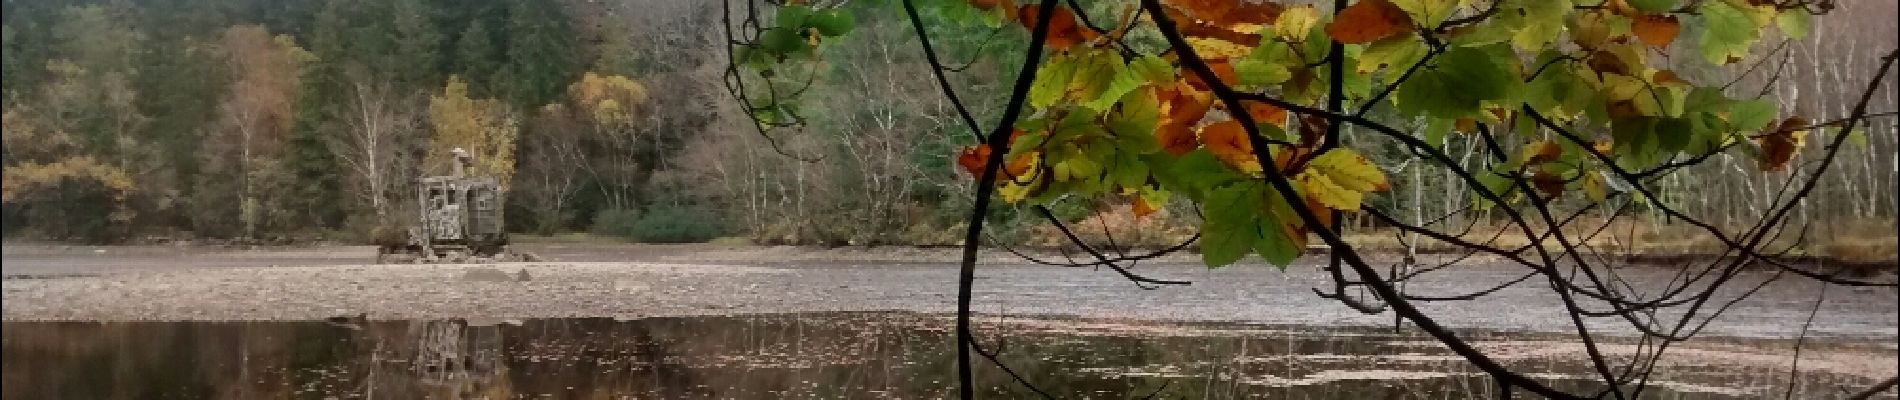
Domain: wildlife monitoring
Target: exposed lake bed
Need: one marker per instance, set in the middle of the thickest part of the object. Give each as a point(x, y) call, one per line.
point(738, 324)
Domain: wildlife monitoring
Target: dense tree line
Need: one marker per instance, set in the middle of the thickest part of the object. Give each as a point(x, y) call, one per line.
point(305, 119)
point(282, 119)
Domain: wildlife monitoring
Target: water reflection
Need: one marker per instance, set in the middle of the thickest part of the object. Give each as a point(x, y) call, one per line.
point(837, 355)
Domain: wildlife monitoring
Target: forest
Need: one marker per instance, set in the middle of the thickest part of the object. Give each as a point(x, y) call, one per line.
point(307, 120)
point(1544, 196)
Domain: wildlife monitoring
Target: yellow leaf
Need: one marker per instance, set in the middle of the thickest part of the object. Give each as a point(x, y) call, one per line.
point(1211, 48)
point(1590, 29)
point(1350, 170)
point(1340, 178)
point(1427, 12)
point(1296, 22)
point(1593, 187)
point(1319, 187)
point(1621, 87)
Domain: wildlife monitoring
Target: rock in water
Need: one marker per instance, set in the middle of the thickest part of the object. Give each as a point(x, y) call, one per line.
point(522, 276)
point(486, 274)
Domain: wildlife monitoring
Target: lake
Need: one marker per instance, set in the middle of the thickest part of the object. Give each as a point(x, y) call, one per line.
point(865, 355)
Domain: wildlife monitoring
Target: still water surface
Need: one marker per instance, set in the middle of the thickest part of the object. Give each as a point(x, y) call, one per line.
point(825, 356)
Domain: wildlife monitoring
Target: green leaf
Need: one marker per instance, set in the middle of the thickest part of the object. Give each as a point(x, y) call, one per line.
point(1246, 217)
point(1752, 115)
point(1673, 134)
point(832, 23)
point(1196, 173)
point(1502, 186)
point(1314, 49)
point(1134, 123)
point(1231, 228)
point(1505, 28)
point(1727, 32)
point(1427, 13)
point(1075, 126)
point(1706, 130)
point(1152, 69)
point(1704, 99)
point(1274, 245)
point(1127, 170)
point(1427, 94)
point(1052, 81)
point(780, 41)
point(1653, 6)
point(1857, 138)
point(1636, 143)
point(1436, 129)
point(792, 17)
point(1457, 84)
point(1793, 22)
point(1543, 23)
point(1137, 72)
point(1554, 91)
point(1357, 86)
point(1265, 65)
point(1394, 55)
point(1094, 71)
point(1659, 101)
point(1254, 72)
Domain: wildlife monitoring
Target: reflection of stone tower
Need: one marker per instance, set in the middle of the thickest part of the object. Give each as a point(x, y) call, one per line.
point(442, 359)
point(452, 354)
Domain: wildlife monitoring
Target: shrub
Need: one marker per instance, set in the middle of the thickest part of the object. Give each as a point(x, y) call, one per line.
point(677, 225)
point(662, 224)
point(615, 222)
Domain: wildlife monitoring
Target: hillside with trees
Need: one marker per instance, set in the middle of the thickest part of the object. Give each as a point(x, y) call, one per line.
point(303, 120)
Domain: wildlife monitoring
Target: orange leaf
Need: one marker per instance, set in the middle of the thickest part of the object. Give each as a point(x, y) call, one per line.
point(1621, 109)
point(1255, 12)
point(1222, 70)
point(1312, 129)
point(1064, 32)
point(1206, 10)
point(1779, 146)
point(1548, 182)
point(1620, 7)
point(1284, 156)
point(1267, 113)
point(972, 159)
point(1656, 30)
point(1185, 105)
point(1668, 77)
point(1368, 21)
point(1142, 208)
point(1297, 233)
point(1545, 151)
point(1605, 62)
point(1228, 141)
point(1020, 165)
point(1176, 138)
point(1230, 12)
point(1195, 27)
point(1325, 215)
point(1602, 146)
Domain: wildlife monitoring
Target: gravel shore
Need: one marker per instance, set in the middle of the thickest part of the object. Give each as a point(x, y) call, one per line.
point(123, 284)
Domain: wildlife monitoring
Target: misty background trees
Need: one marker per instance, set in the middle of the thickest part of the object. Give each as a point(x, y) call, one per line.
point(299, 120)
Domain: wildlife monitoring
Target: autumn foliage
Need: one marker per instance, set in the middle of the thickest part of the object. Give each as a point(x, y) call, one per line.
point(1141, 125)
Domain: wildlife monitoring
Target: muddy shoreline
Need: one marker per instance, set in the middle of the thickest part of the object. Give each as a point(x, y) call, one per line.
point(76, 283)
